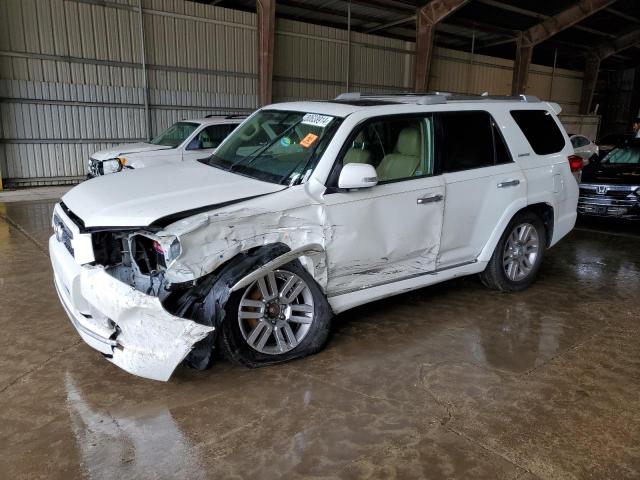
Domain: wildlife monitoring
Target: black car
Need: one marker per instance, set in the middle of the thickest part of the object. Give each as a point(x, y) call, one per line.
point(611, 186)
point(611, 141)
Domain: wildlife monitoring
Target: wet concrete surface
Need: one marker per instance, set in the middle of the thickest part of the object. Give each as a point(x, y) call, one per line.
point(451, 381)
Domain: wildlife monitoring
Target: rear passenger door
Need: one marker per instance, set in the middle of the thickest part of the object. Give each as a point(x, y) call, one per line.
point(481, 180)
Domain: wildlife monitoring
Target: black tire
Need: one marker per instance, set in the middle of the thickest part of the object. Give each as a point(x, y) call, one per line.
point(495, 275)
point(236, 349)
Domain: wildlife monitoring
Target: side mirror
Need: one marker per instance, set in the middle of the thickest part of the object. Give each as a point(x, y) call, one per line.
point(357, 175)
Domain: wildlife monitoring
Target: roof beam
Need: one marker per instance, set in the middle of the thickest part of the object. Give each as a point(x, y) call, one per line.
point(428, 16)
point(545, 30)
point(592, 67)
point(626, 16)
point(539, 16)
point(395, 23)
point(563, 20)
point(388, 5)
point(606, 49)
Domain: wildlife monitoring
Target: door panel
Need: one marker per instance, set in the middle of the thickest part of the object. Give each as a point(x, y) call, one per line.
point(475, 201)
point(384, 233)
point(481, 181)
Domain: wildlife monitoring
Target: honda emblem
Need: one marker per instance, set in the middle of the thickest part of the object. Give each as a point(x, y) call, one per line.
point(601, 189)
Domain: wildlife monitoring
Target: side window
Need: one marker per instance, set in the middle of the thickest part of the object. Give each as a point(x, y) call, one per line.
point(215, 134)
point(541, 130)
point(467, 141)
point(500, 145)
point(211, 137)
point(398, 147)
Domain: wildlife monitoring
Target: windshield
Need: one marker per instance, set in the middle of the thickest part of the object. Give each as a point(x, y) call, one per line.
point(275, 146)
point(624, 155)
point(175, 134)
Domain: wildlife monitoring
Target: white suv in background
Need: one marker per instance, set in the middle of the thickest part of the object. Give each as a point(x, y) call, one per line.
point(185, 140)
point(306, 210)
point(584, 148)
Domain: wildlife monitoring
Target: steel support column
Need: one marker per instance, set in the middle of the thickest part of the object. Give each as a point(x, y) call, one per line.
point(521, 68)
point(424, 50)
point(427, 17)
point(545, 30)
point(266, 10)
point(591, 69)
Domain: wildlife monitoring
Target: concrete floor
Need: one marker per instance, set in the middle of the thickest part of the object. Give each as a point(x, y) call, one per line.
point(452, 381)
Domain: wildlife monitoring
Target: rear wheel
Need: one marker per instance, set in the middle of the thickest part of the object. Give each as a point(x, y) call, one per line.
point(516, 260)
point(280, 316)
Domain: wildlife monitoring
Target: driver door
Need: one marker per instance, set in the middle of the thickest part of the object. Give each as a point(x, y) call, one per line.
point(391, 231)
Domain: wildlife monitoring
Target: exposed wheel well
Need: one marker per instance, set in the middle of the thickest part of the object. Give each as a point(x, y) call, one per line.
point(545, 212)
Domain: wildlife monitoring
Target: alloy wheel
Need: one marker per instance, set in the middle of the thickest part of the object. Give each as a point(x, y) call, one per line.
point(276, 312)
point(520, 252)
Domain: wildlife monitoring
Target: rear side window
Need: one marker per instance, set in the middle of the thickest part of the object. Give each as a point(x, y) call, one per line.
point(469, 140)
point(541, 130)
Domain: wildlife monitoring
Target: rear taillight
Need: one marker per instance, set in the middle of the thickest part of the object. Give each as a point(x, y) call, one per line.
point(575, 163)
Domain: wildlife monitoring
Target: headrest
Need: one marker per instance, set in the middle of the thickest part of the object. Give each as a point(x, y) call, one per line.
point(409, 142)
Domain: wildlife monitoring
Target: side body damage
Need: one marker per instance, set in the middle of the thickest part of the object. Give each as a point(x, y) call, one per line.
point(187, 251)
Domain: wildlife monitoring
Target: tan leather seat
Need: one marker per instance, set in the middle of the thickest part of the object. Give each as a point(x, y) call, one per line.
point(357, 153)
point(405, 159)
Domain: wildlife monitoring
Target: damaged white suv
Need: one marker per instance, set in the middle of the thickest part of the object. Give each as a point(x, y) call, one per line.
point(306, 210)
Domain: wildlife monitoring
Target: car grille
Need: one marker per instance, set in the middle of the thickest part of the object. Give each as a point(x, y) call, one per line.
point(606, 199)
point(63, 234)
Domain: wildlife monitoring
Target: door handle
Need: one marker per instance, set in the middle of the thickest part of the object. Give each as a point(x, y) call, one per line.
point(430, 199)
point(509, 183)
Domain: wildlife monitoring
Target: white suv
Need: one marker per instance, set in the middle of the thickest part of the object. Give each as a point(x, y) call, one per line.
point(189, 139)
point(306, 210)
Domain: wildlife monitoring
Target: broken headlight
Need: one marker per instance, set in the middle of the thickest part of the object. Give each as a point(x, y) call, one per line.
point(152, 254)
point(170, 251)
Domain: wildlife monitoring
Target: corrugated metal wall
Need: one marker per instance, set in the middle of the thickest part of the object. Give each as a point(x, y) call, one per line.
point(311, 62)
point(72, 81)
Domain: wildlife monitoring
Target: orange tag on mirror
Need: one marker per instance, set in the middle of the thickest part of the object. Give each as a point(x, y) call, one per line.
point(309, 140)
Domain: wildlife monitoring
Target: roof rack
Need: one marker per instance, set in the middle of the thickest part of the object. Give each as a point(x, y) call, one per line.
point(433, 98)
point(226, 117)
point(417, 98)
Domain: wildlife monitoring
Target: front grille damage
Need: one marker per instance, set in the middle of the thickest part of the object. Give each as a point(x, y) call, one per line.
point(63, 234)
point(132, 258)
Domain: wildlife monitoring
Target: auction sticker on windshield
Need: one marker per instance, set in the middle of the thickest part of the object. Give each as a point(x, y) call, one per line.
point(316, 120)
point(309, 140)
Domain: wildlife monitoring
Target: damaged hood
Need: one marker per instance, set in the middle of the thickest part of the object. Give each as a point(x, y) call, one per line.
point(140, 197)
point(127, 148)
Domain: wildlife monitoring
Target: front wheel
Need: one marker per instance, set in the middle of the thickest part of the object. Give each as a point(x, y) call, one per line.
point(516, 260)
point(281, 316)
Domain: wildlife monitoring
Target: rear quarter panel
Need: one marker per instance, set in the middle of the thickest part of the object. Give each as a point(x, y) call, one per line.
point(549, 177)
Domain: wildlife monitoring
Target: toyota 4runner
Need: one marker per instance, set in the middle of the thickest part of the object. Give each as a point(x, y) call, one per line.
point(308, 209)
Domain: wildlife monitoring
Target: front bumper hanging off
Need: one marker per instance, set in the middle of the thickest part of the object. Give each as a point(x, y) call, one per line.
point(130, 328)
